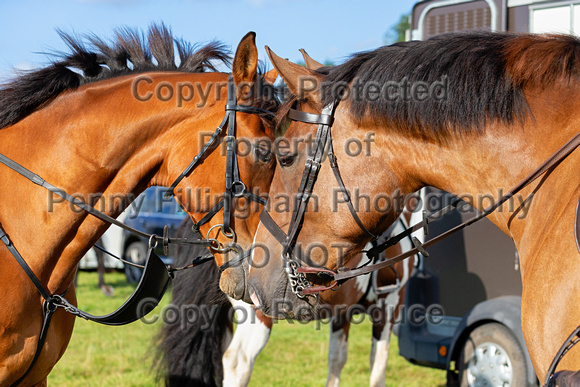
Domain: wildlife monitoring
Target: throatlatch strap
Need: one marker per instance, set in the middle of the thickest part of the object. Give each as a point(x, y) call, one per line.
point(196, 160)
point(345, 195)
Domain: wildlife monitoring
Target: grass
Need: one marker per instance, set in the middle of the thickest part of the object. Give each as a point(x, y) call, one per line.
point(296, 355)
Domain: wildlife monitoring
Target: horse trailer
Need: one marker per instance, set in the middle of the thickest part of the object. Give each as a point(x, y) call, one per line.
point(466, 296)
point(462, 304)
point(434, 17)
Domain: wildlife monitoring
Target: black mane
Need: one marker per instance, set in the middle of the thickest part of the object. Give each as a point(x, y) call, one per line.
point(96, 60)
point(486, 75)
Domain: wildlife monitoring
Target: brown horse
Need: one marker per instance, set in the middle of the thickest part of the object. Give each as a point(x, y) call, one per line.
point(129, 118)
point(472, 114)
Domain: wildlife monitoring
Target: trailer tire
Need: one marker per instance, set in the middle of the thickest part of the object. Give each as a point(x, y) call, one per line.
point(491, 356)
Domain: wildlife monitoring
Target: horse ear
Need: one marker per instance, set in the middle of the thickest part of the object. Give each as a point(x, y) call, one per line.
point(245, 63)
point(309, 62)
point(301, 81)
point(271, 76)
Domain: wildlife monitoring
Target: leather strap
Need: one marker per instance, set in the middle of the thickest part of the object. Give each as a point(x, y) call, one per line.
point(207, 217)
point(577, 225)
point(231, 157)
point(35, 281)
point(281, 237)
point(310, 118)
point(552, 162)
point(196, 159)
point(236, 261)
point(322, 140)
point(36, 179)
point(248, 109)
point(152, 286)
point(309, 176)
point(345, 194)
point(48, 308)
point(234, 187)
point(571, 341)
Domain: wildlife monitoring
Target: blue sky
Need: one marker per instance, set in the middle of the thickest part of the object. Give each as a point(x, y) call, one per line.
point(328, 30)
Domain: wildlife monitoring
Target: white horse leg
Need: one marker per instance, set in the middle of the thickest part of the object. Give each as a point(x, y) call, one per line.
point(337, 349)
point(381, 339)
point(250, 337)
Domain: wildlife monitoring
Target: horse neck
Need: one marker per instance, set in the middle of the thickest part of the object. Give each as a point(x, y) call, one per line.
point(102, 140)
point(480, 167)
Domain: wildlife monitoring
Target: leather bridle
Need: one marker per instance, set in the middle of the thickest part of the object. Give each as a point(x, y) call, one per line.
point(156, 275)
point(294, 257)
point(291, 253)
point(234, 187)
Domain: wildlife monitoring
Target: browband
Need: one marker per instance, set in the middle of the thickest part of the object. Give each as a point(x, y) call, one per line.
point(249, 109)
point(311, 118)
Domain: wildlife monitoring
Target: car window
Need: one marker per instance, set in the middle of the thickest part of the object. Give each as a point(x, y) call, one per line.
point(152, 201)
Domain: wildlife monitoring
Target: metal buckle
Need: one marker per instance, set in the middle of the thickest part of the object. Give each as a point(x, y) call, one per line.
point(153, 238)
point(239, 192)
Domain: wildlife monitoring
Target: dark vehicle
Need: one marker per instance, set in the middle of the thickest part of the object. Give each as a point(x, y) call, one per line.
point(471, 284)
point(150, 213)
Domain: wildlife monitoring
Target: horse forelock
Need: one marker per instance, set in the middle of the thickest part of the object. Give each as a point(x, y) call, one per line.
point(93, 59)
point(484, 76)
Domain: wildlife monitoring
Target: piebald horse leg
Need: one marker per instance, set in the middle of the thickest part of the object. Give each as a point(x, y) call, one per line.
point(389, 306)
point(337, 349)
point(251, 335)
point(382, 327)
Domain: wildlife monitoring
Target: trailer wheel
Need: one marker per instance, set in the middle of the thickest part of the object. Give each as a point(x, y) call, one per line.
point(136, 252)
point(491, 356)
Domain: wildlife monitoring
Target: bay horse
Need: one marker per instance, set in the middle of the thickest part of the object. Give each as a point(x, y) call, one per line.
point(103, 124)
point(197, 347)
point(470, 113)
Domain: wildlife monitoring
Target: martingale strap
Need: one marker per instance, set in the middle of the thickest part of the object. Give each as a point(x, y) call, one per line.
point(145, 298)
point(151, 288)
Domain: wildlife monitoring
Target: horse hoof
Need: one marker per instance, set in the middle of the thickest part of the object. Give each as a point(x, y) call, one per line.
point(107, 290)
point(565, 379)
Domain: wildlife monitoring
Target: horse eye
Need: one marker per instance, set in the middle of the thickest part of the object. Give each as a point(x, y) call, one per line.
point(287, 160)
point(263, 154)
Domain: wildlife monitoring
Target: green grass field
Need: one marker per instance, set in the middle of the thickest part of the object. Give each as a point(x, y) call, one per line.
point(295, 356)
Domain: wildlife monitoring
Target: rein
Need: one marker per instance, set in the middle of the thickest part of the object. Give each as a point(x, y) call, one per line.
point(156, 275)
